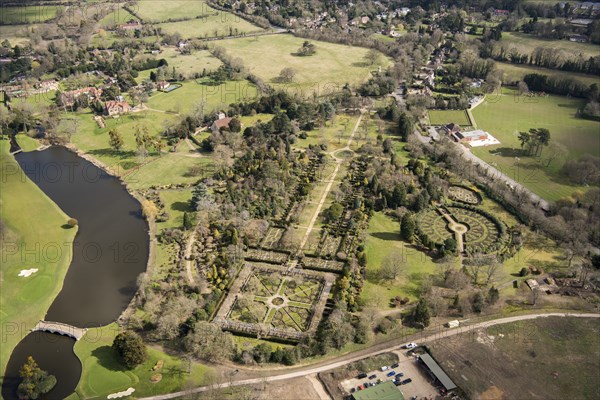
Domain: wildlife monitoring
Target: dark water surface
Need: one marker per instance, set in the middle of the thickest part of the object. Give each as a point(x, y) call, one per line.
point(109, 252)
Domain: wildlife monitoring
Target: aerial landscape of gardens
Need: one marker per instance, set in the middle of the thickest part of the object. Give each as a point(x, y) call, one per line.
point(220, 199)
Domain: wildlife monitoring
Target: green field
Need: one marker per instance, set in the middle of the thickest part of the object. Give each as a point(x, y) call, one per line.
point(515, 72)
point(30, 221)
point(217, 24)
point(158, 11)
point(17, 34)
point(176, 203)
point(331, 67)
point(27, 14)
point(103, 374)
point(214, 98)
point(119, 16)
point(170, 167)
point(444, 117)
point(188, 64)
point(527, 43)
point(383, 238)
point(506, 114)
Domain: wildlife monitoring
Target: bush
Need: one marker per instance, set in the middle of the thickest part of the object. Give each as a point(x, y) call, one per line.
point(524, 271)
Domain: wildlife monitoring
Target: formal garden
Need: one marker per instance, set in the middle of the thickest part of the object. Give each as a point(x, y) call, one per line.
point(274, 301)
point(483, 232)
point(464, 195)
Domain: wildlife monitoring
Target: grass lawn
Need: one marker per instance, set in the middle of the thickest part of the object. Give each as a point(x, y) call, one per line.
point(214, 24)
point(176, 203)
point(119, 16)
point(152, 10)
point(31, 221)
point(515, 72)
point(103, 374)
point(251, 120)
point(17, 34)
point(444, 117)
point(527, 43)
point(556, 358)
point(505, 115)
point(28, 14)
point(27, 143)
point(327, 70)
point(137, 172)
point(214, 97)
point(188, 64)
point(383, 238)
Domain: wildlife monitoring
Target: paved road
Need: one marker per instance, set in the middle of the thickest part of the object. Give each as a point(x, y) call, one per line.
point(375, 350)
point(494, 173)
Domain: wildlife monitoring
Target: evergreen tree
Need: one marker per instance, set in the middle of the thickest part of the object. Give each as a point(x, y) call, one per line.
point(405, 126)
point(115, 140)
point(408, 226)
point(421, 314)
point(130, 348)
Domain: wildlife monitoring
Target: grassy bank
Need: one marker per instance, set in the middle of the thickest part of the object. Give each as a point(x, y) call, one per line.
point(32, 236)
point(103, 373)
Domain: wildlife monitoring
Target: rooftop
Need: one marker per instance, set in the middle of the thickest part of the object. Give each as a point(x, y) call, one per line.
point(383, 391)
point(437, 371)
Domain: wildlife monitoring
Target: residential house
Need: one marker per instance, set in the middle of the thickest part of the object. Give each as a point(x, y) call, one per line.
point(116, 107)
point(162, 85)
point(132, 25)
point(452, 128)
point(222, 121)
point(92, 93)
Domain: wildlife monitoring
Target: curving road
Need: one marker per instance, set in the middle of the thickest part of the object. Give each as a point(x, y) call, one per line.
point(395, 344)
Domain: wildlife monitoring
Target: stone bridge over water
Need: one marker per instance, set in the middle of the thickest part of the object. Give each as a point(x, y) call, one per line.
point(61, 328)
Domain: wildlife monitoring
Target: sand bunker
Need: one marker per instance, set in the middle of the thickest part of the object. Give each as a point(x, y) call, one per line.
point(121, 394)
point(27, 272)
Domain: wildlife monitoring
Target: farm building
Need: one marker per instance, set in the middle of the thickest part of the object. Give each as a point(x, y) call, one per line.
point(383, 391)
point(437, 372)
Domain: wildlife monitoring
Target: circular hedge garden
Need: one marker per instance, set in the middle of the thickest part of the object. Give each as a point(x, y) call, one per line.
point(486, 234)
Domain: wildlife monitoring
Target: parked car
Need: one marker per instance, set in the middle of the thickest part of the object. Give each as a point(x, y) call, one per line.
point(352, 390)
point(361, 387)
point(411, 345)
point(397, 383)
point(391, 373)
point(395, 365)
point(385, 368)
point(404, 382)
point(373, 376)
point(362, 375)
point(399, 375)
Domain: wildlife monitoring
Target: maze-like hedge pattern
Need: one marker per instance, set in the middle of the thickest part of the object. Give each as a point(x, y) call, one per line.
point(482, 232)
point(465, 195)
point(306, 292)
point(434, 225)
